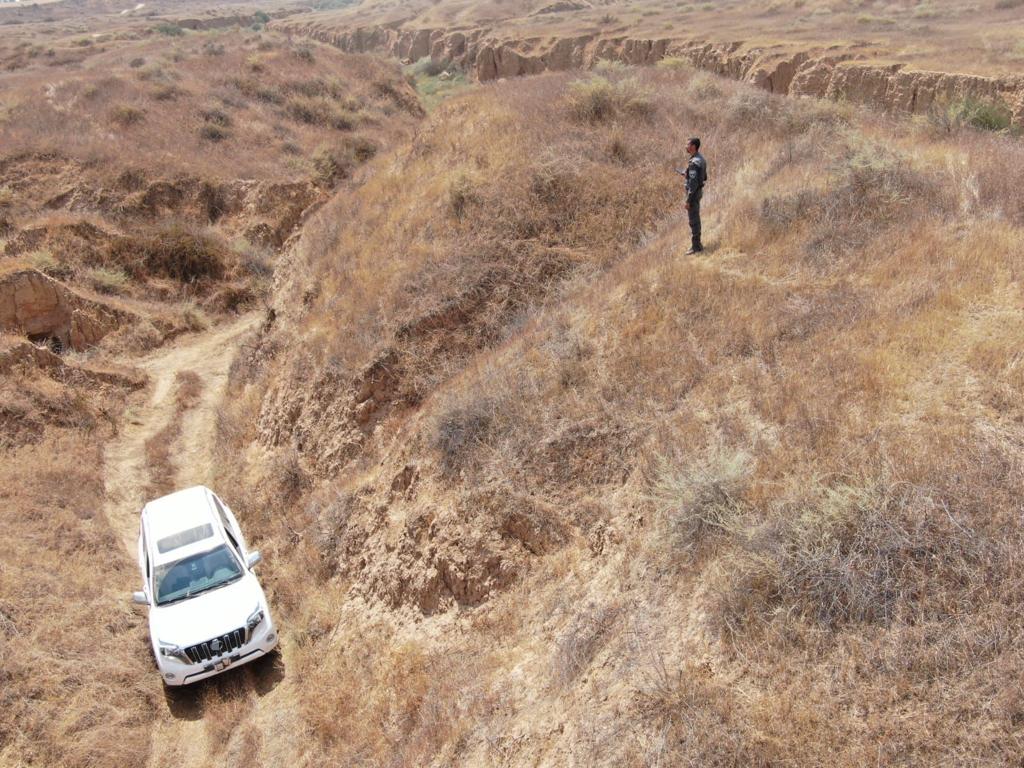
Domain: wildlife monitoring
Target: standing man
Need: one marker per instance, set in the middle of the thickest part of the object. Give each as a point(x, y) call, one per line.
point(696, 174)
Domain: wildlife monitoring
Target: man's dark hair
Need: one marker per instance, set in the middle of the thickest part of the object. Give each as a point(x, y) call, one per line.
point(695, 141)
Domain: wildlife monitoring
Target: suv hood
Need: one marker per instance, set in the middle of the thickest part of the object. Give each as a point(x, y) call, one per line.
point(208, 614)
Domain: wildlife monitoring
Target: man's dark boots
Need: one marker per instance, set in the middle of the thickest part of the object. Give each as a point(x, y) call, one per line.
point(696, 247)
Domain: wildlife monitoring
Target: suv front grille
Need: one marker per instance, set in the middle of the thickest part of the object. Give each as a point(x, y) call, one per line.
point(216, 647)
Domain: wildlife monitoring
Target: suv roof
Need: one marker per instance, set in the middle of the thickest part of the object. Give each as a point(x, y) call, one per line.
point(177, 512)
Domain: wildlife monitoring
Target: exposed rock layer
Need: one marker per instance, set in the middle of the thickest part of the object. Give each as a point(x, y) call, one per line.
point(39, 307)
point(826, 75)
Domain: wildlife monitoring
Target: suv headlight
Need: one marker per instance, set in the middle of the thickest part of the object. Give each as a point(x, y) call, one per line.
point(173, 651)
point(254, 620)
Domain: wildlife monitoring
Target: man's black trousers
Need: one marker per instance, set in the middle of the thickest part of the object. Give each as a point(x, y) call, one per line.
point(694, 213)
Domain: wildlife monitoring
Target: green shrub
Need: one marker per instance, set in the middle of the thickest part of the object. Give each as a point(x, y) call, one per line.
point(330, 166)
point(986, 115)
point(982, 114)
point(675, 63)
point(44, 261)
point(170, 29)
point(429, 67)
point(703, 86)
point(610, 67)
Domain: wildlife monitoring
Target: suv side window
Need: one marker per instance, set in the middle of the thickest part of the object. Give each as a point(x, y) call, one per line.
point(227, 527)
point(145, 562)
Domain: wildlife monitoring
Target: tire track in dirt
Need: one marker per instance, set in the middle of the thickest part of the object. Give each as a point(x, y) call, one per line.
point(179, 737)
point(209, 355)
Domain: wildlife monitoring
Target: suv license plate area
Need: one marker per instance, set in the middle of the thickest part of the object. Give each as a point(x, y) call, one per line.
point(222, 664)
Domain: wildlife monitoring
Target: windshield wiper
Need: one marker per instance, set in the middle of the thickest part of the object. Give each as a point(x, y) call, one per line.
point(175, 600)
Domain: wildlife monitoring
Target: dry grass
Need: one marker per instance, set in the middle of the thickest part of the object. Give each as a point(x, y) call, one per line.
point(599, 100)
point(135, 171)
point(782, 475)
point(534, 488)
point(76, 682)
point(158, 110)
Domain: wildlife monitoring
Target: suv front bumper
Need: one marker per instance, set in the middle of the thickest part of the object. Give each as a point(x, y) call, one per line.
point(176, 672)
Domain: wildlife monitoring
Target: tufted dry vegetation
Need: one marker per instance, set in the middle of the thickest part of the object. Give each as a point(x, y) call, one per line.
point(154, 114)
point(76, 686)
point(752, 508)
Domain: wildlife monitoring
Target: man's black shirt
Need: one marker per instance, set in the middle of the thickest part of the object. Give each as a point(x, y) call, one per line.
point(696, 175)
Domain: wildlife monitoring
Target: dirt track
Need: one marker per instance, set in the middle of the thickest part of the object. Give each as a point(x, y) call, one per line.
point(180, 735)
point(209, 355)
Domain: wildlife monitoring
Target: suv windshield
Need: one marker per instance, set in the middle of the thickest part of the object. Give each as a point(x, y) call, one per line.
point(192, 575)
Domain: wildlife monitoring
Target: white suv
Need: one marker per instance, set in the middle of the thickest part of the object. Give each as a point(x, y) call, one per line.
point(207, 609)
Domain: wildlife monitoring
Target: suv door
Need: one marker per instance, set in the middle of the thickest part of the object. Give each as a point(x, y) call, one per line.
point(231, 529)
point(145, 566)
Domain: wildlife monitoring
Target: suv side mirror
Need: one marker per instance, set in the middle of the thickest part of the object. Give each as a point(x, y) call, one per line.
point(252, 559)
point(140, 598)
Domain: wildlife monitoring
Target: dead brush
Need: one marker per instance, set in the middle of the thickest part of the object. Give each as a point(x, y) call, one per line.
point(697, 719)
point(860, 555)
point(189, 390)
point(701, 495)
point(176, 251)
point(598, 99)
point(461, 432)
point(127, 116)
point(581, 641)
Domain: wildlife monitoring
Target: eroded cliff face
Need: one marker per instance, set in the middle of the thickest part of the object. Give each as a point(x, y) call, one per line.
point(825, 74)
point(42, 308)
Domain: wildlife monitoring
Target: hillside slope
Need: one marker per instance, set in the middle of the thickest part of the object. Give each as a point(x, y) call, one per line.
point(535, 489)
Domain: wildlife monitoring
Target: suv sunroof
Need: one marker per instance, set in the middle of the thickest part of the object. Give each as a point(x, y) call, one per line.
point(181, 538)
